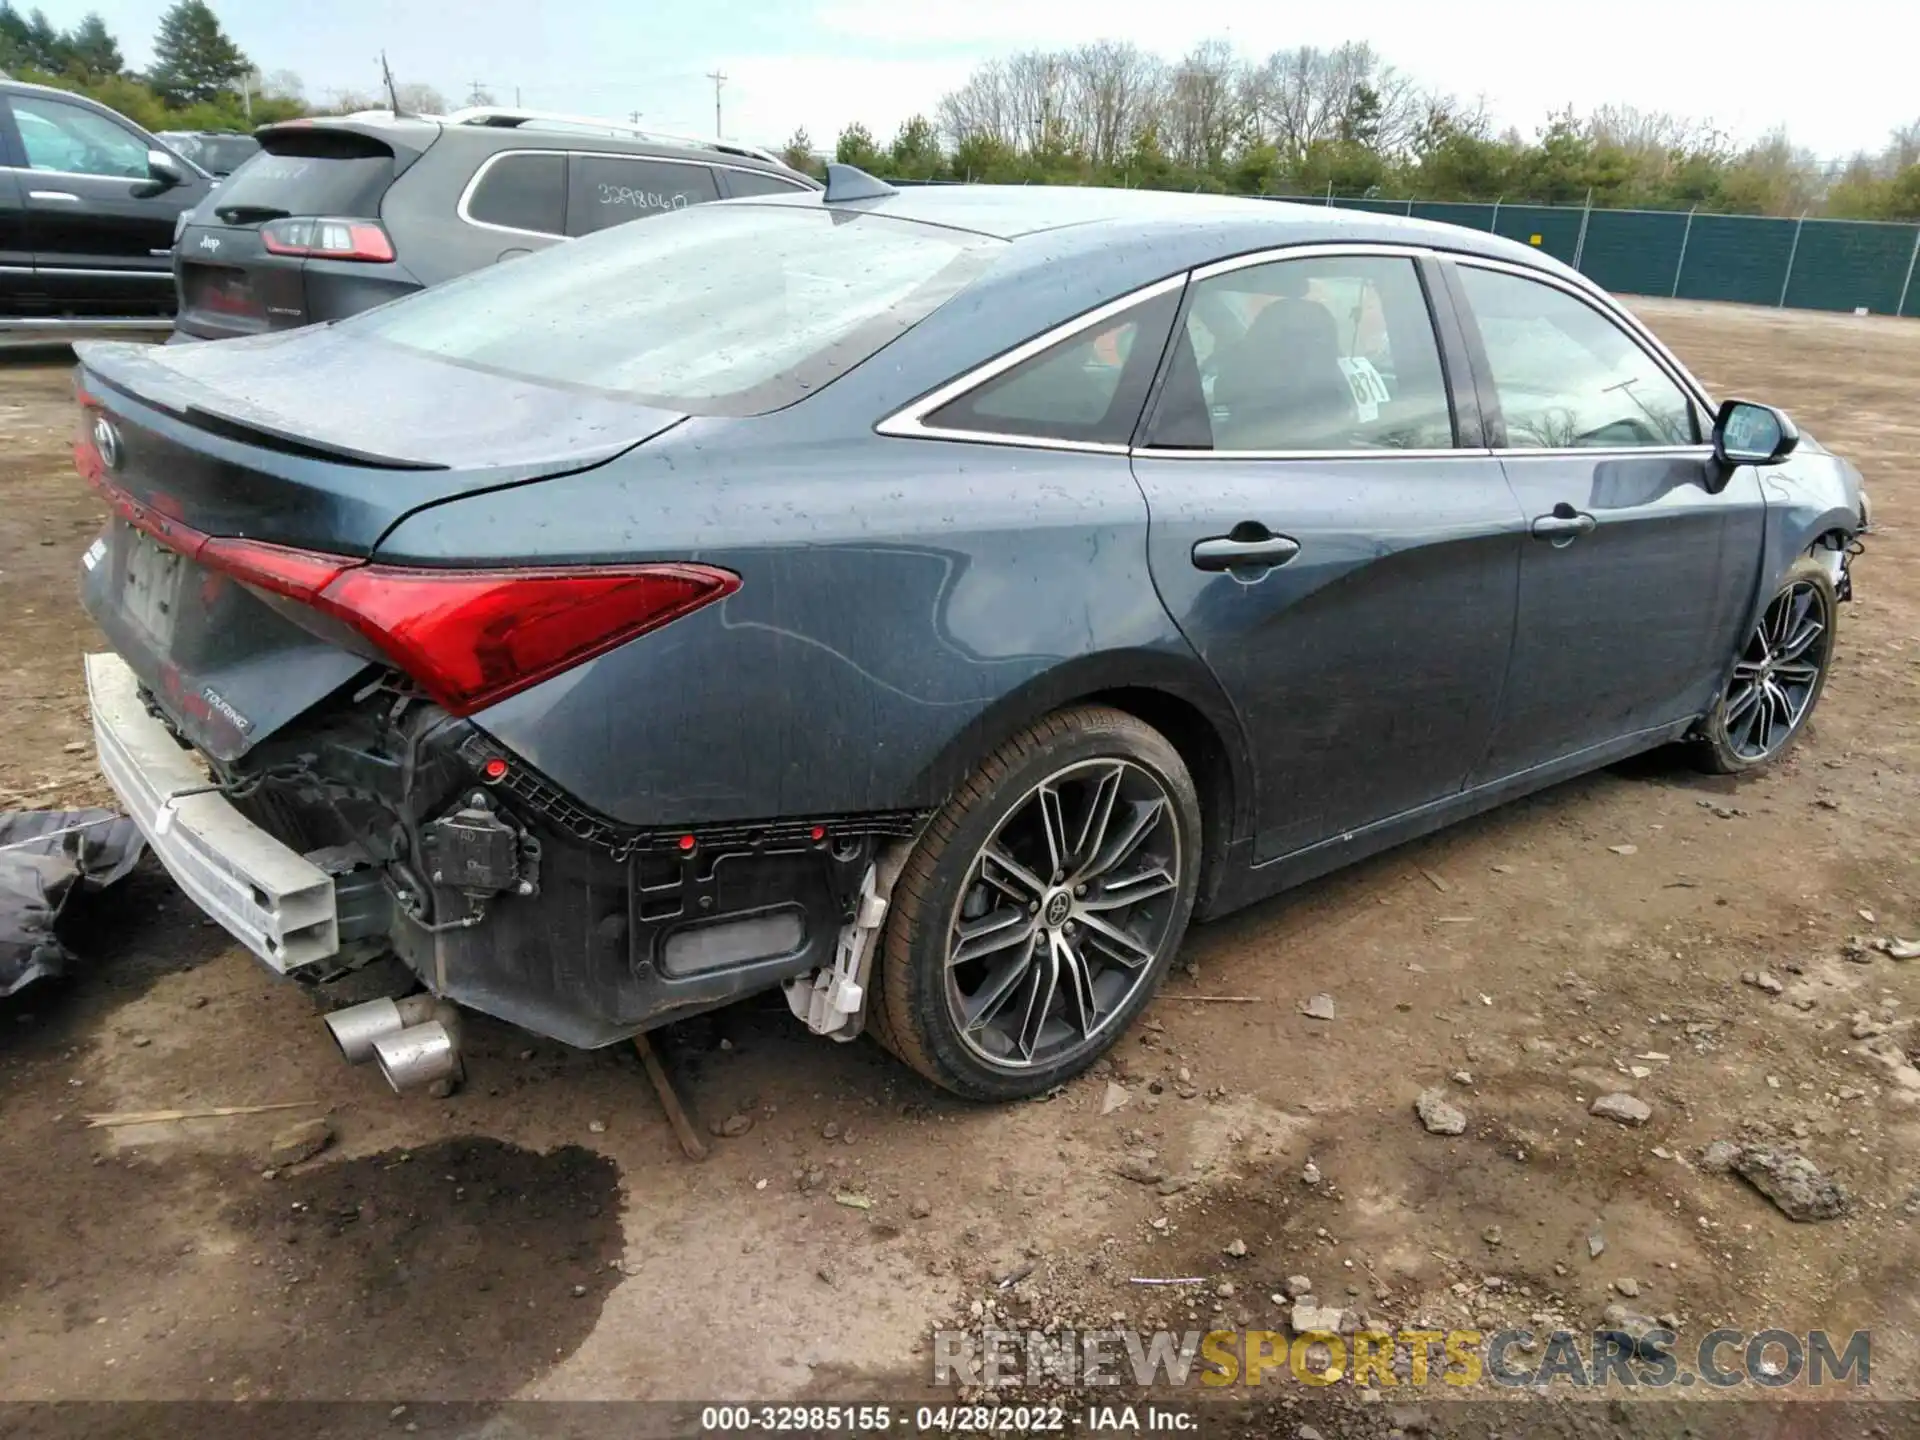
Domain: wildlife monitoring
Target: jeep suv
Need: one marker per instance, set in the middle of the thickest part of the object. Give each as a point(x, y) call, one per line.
point(337, 214)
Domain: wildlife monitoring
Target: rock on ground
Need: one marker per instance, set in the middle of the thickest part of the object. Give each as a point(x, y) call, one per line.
point(1793, 1182)
point(1439, 1114)
point(1627, 1109)
point(299, 1142)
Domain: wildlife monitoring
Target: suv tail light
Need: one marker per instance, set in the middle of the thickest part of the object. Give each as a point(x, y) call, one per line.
point(471, 638)
point(328, 237)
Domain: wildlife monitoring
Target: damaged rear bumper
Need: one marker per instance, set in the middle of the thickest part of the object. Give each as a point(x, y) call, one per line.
point(415, 834)
point(276, 902)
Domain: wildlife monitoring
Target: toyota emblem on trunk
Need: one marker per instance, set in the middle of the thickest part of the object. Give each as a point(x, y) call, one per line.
point(107, 441)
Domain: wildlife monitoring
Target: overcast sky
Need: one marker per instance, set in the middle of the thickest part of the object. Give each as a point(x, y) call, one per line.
point(1837, 73)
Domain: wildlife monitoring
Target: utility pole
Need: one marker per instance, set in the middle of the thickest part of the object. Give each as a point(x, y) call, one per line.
point(718, 80)
point(633, 117)
point(477, 94)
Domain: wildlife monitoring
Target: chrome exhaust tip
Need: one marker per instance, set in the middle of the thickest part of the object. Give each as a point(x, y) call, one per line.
point(356, 1028)
point(418, 1054)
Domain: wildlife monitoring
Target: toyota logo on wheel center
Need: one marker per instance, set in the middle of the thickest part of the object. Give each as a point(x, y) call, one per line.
point(1059, 906)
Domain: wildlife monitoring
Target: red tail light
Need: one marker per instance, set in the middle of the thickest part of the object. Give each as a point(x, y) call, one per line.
point(473, 637)
point(328, 237)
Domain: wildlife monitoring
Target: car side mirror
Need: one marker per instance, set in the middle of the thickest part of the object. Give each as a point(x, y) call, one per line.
point(164, 171)
point(1746, 433)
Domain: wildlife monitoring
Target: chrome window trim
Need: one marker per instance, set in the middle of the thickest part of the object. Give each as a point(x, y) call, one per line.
point(1153, 452)
point(1311, 251)
point(1609, 452)
point(909, 422)
point(81, 174)
point(1599, 300)
point(473, 182)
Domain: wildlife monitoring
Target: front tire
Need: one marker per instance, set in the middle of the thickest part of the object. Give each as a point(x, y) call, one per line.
point(1041, 908)
point(1778, 676)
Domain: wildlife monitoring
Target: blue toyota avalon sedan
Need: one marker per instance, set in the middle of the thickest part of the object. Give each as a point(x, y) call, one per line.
point(929, 603)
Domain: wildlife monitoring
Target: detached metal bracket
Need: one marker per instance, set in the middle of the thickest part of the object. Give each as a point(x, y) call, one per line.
point(833, 999)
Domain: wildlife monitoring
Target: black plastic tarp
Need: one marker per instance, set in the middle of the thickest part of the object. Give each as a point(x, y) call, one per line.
point(45, 857)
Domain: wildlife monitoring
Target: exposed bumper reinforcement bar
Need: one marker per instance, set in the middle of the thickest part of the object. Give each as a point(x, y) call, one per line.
point(274, 901)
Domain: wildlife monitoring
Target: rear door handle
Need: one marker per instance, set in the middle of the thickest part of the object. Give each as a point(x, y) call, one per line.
point(66, 196)
point(1224, 552)
point(1564, 525)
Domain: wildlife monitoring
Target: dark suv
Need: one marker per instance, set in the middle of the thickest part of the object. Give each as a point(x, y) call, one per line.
point(89, 205)
point(339, 214)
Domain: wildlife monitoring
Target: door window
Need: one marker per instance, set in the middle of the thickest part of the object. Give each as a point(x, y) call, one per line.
point(522, 192)
point(1329, 352)
point(1088, 387)
point(59, 136)
point(1566, 376)
point(605, 190)
point(758, 182)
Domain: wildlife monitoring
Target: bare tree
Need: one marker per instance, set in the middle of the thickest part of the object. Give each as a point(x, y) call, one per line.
point(981, 109)
point(1114, 94)
point(1204, 104)
point(1297, 98)
point(419, 98)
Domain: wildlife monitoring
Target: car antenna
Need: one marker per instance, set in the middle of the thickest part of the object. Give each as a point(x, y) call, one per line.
point(393, 91)
point(850, 182)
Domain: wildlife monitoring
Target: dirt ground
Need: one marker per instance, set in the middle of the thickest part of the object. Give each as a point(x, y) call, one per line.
point(537, 1235)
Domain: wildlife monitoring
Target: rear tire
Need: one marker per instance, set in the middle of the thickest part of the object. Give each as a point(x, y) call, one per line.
point(1038, 913)
point(1778, 675)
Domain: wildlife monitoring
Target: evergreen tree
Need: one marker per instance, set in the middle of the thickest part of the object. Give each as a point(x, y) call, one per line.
point(193, 60)
point(92, 50)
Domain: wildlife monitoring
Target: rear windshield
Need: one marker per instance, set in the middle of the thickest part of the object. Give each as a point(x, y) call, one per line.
point(732, 309)
point(313, 173)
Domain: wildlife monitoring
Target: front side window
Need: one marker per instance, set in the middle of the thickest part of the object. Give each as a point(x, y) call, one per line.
point(605, 190)
point(1331, 352)
point(1088, 387)
point(717, 310)
point(59, 136)
point(1566, 376)
point(522, 192)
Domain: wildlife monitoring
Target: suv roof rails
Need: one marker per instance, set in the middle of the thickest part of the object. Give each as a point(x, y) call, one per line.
point(506, 117)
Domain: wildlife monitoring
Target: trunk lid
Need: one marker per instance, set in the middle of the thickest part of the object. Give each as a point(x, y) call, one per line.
point(312, 439)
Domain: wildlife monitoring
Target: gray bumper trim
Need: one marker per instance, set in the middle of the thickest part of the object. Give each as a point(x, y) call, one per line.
point(276, 903)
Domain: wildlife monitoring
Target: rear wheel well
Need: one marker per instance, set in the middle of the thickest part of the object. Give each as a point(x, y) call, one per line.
point(1190, 732)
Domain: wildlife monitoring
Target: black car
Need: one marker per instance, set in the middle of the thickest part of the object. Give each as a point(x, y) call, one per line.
point(341, 213)
point(89, 203)
point(217, 152)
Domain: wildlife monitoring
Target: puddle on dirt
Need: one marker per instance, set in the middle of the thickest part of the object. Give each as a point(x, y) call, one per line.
point(459, 1269)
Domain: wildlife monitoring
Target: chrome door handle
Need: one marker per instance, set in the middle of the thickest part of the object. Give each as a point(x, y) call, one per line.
point(1564, 525)
point(63, 195)
point(1223, 552)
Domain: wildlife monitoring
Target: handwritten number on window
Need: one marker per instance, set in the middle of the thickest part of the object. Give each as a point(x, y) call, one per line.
point(618, 195)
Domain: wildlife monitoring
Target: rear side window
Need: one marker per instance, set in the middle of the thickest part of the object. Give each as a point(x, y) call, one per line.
point(313, 172)
point(715, 310)
point(522, 192)
point(1333, 352)
point(758, 182)
point(1088, 387)
point(606, 190)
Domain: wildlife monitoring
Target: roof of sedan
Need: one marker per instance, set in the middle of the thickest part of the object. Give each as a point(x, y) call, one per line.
point(1012, 211)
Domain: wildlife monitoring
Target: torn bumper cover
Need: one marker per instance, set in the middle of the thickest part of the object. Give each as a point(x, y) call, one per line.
point(275, 902)
point(45, 857)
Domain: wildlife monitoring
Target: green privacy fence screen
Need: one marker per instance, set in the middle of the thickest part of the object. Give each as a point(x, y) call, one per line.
point(1755, 260)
